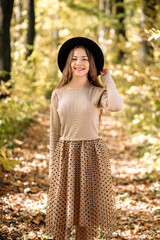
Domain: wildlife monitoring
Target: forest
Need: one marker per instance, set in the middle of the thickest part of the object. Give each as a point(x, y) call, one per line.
point(31, 32)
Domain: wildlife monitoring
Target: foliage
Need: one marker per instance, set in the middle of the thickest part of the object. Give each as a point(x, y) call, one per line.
point(155, 34)
point(15, 115)
point(5, 161)
point(141, 115)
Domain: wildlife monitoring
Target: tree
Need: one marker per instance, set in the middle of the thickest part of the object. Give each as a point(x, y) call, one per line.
point(31, 28)
point(105, 7)
point(102, 28)
point(19, 8)
point(6, 9)
point(120, 27)
point(147, 21)
point(55, 32)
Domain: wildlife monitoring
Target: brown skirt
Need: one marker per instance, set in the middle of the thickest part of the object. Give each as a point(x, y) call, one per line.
point(81, 200)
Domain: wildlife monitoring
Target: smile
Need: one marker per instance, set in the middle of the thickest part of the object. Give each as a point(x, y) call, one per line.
point(79, 69)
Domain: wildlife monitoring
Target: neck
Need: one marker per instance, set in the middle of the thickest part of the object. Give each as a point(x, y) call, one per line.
point(79, 81)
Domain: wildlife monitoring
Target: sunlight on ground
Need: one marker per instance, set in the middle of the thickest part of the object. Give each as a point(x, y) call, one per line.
point(25, 203)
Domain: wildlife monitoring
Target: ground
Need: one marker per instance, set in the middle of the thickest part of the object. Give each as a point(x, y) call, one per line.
point(24, 190)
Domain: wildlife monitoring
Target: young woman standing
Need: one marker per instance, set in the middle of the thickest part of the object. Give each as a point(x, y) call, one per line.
point(80, 195)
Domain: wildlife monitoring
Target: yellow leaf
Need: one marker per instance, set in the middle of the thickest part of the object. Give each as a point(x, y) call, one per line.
point(3, 154)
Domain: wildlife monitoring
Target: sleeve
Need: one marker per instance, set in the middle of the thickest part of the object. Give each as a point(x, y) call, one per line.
point(110, 98)
point(54, 126)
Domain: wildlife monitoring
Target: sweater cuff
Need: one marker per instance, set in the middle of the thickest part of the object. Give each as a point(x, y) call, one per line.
point(108, 80)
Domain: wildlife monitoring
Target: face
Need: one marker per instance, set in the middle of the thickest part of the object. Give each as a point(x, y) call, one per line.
point(80, 63)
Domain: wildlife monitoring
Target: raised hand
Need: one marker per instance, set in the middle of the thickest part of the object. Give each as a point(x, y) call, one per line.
point(104, 71)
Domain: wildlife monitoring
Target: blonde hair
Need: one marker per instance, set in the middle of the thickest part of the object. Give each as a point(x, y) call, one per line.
point(92, 74)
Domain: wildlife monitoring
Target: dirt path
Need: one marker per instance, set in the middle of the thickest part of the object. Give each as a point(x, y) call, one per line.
point(24, 190)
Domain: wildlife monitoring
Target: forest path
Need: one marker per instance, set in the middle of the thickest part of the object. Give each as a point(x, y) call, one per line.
point(24, 189)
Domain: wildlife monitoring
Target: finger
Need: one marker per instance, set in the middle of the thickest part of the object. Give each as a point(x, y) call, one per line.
point(105, 68)
point(102, 73)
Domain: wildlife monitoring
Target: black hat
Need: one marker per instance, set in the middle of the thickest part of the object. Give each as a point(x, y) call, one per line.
point(86, 42)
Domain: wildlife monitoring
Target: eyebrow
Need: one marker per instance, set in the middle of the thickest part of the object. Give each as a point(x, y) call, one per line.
point(82, 56)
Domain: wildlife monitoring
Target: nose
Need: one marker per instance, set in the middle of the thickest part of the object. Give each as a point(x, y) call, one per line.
point(79, 61)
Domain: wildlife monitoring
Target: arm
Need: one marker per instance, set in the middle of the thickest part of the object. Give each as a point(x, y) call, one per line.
point(54, 127)
point(110, 99)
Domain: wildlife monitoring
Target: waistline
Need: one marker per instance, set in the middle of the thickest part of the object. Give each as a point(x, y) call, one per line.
point(72, 139)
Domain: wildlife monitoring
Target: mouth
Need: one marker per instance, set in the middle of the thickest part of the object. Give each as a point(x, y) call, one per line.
point(79, 69)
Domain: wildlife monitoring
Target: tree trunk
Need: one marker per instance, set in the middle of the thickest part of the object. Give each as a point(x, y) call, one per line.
point(102, 28)
point(147, 21)
point(55, 38)
point(19, 18)
point(102, 5)
point(108, 7)
point(55, 32)
point(120, 27)
point(6, 9)
point(31, 28)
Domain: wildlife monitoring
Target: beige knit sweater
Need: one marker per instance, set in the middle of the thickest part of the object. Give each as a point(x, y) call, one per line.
point(74, 112)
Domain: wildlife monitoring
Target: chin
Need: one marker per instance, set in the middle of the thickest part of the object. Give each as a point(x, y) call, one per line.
point(80, 74)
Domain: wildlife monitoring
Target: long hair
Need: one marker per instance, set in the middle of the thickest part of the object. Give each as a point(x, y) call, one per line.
point(92, 74)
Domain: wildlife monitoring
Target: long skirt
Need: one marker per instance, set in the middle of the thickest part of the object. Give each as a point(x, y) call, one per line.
point(81, 201)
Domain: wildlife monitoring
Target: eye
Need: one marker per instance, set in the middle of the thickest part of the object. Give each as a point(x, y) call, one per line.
point(85, 59)
point(74, 59)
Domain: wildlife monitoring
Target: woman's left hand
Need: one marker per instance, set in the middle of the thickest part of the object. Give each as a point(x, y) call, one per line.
point(104, 71)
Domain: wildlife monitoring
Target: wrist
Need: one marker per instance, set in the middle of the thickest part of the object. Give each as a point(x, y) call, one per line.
point(107, 78)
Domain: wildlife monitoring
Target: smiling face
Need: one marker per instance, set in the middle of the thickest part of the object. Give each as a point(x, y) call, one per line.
point(80, 63)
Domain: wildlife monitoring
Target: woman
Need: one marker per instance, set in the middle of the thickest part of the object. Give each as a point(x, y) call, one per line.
point(80, 195)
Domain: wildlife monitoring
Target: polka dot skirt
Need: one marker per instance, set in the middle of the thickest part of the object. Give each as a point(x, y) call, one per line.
point(80, 198)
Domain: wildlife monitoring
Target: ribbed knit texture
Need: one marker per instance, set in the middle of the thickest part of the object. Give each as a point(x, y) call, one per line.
point(74, 112)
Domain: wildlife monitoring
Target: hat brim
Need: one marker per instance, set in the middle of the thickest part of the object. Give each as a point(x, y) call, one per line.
point(86, 42)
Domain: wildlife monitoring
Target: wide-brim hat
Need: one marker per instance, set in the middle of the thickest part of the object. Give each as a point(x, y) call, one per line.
point(86, 42)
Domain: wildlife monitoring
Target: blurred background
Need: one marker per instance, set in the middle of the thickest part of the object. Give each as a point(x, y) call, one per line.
point(31, 32)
